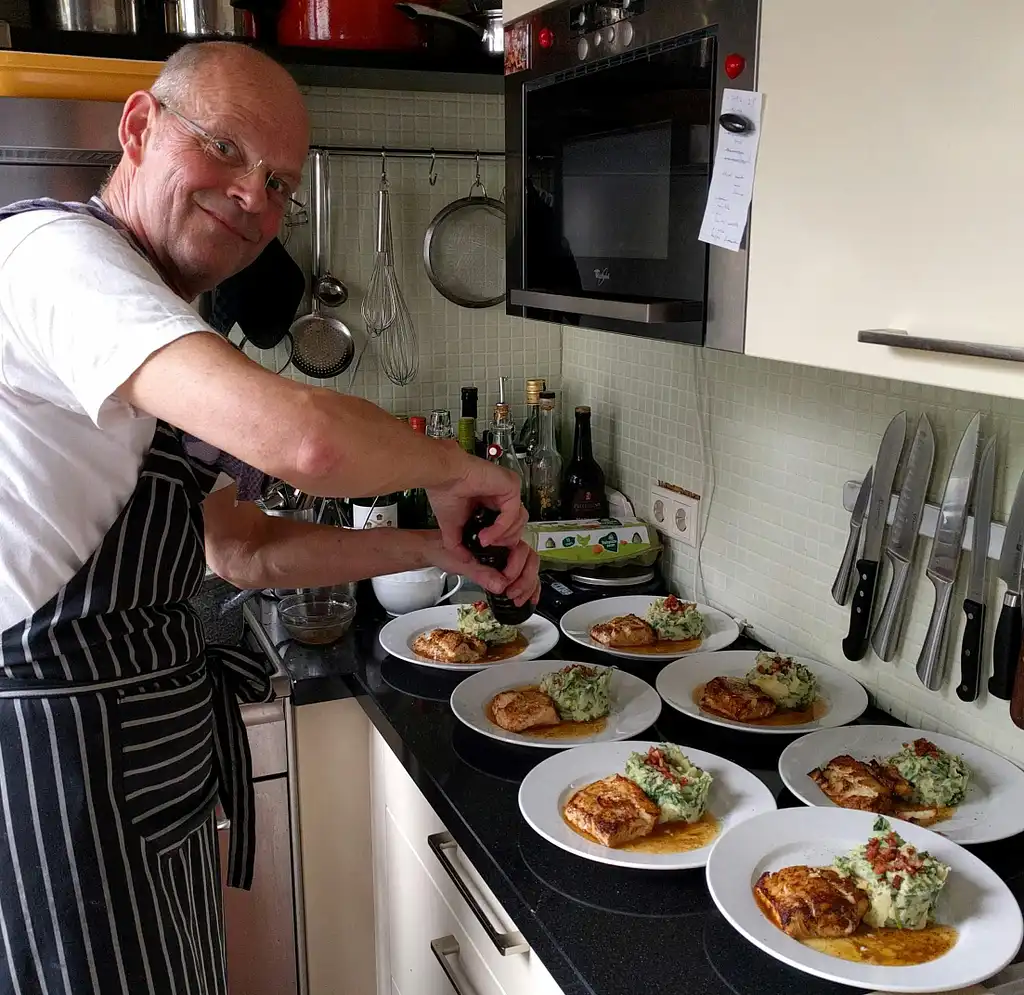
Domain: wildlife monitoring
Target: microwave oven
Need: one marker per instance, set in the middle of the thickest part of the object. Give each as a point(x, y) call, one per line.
point(611, 120)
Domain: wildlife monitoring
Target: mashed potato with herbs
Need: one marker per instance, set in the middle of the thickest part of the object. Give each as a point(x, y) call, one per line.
point(675, 620)
point(580, 693)
point(675, 785)
point(788, 683)
point(938, 777)
point(478, 620)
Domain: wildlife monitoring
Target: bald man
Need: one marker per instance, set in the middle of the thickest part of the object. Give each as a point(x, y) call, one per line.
point(122, 420)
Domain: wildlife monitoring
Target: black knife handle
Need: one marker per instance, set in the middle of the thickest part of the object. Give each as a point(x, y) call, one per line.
point(855, 645)
point(1006, 648)
point(970, 651)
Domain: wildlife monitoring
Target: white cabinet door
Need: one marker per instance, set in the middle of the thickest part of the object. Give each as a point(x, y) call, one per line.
point(512, 9)
point(890, 186)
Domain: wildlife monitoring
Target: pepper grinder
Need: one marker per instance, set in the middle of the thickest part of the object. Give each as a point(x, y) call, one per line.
point(504, 609)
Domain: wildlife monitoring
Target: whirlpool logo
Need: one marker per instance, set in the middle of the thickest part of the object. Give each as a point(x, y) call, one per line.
point(602, 276)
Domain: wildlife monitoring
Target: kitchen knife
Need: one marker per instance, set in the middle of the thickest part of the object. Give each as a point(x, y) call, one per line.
point(842, 587)
point(974, 600)
point(899, 550)
point(855, 645)
point(949, 538)
point(1006, 646)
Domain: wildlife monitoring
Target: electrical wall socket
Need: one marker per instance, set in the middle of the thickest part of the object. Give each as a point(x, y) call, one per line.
point(675, 515)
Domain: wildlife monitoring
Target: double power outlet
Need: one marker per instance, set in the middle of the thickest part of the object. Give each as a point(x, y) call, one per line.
point(675, 515)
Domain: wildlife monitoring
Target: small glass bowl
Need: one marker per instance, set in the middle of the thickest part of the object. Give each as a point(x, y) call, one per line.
point(316, 617)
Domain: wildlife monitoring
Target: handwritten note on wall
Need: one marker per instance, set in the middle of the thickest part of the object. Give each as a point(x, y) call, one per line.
point(732, 181)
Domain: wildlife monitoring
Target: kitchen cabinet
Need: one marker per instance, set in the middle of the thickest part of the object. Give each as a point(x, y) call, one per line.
point(888, 193)
point(423, 916)
point(332, 766)
point(511, 9)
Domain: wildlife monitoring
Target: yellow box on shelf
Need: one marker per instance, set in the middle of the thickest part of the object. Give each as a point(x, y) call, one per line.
point(73, 77)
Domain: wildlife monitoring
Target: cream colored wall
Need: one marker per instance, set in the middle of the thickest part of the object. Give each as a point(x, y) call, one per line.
point(784, 439)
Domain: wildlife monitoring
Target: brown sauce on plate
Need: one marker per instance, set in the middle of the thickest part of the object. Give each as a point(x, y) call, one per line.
point(502, 651)
point(669, 837)
point(882, 947)
point(663, 647)
point(782, 717)
point(564, 730)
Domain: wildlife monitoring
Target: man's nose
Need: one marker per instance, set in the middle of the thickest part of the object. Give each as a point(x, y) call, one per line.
point(250, 190)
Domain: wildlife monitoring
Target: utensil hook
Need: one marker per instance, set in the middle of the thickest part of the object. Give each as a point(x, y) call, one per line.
point(432, 175)
point(478, 183)
point(383, 168)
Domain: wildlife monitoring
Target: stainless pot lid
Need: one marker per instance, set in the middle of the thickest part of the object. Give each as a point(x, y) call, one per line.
point(626, 576)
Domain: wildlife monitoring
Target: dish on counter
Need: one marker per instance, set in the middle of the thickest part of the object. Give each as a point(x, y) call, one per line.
point(777, 689)
point(921, 783)
point(843, 895)
point(639, 804)
point(970, 794)
point(761, 692)
point(554, 704)
point(640, 626)
point(462, 637)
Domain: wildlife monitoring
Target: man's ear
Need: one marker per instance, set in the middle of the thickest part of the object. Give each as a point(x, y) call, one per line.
point(137, 119)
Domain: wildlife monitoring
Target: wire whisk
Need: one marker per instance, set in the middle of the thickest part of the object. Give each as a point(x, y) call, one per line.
point(379, 308)
point(399, 344)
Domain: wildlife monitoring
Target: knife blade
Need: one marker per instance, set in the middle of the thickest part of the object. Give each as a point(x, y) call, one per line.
point(899, 550)
point(1006, 645)
point(945, 555)
point(855, 645)
point(974, 600)
point(842, 586)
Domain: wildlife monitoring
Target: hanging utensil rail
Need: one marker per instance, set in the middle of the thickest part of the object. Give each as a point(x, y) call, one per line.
point(408, 153)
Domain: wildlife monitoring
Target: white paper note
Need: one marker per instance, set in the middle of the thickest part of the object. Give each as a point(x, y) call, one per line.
point(732, 181)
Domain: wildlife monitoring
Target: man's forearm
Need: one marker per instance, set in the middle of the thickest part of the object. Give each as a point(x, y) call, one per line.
point(296, 554)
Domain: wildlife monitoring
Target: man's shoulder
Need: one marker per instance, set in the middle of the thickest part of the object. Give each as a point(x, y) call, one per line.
point(56, 225)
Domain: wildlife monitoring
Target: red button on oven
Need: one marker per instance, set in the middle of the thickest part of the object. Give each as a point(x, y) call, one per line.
point(734, 65)
point(546, 37)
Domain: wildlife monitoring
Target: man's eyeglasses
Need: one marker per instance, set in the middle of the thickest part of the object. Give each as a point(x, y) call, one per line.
point(229, 155)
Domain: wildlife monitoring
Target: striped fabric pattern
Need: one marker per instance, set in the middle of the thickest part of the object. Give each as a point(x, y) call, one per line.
point(118, 732)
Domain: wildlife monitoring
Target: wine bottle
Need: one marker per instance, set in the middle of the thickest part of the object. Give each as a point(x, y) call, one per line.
point(413, 508)
point(583, 493)
point(375, 512)
point(504, 609)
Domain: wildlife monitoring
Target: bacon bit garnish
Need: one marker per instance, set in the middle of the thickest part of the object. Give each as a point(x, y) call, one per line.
point(924, 748)
point(884, 855)
point(776, 664)
point(897, 882)
point(656, 759)
point(581, 668)
point(479, 606)
point(672, 604)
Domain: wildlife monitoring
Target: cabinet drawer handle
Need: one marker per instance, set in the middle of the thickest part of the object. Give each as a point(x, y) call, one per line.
point(442, 949)
point(899, 339)
point(506, 943)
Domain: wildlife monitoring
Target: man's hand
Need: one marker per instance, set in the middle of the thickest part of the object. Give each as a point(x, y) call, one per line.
point(479, 483)
point(518, 580)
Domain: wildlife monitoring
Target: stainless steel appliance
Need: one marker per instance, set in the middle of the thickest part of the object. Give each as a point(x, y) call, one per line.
point(201, 18)
point(108, 16)
point(611, 118)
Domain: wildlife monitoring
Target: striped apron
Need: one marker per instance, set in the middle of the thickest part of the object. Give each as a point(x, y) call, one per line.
point(119, 730)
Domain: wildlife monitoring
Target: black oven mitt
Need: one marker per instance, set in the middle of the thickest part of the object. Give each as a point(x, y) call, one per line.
point(262, 299)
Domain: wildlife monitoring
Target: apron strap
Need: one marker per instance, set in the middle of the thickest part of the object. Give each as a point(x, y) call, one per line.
point(236, 676)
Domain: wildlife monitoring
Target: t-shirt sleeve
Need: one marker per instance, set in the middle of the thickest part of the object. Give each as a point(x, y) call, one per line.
point(86, 308)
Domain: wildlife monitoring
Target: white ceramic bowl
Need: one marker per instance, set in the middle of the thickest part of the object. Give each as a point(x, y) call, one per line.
point(413, 590)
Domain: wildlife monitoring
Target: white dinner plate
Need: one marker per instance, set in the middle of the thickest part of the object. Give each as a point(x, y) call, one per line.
point(635, 705)
point(992, 810)
point(974, 900)
point(736, 795)
point(400, 633)
point(720, 629)
point(843, 695)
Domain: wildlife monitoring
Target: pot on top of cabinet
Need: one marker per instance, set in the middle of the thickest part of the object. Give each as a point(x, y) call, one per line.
point(373, 25)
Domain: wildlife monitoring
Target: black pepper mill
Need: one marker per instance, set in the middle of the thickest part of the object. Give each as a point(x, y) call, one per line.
point(504, 609)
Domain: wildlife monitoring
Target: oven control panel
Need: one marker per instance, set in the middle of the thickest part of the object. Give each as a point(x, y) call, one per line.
point(603, 28)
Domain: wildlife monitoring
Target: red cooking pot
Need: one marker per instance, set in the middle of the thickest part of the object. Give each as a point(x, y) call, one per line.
point(365, 24)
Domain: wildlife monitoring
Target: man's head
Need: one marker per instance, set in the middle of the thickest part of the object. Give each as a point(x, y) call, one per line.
point(212, 154)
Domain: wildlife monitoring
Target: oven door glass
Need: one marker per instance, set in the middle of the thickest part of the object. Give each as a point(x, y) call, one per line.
point(616, 179)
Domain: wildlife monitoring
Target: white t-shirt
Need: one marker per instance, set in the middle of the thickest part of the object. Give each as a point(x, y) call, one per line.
point(80, 311)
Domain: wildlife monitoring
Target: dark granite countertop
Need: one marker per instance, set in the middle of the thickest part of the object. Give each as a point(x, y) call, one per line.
point(599, 930)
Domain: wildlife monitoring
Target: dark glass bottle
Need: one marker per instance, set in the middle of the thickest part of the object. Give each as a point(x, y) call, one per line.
point(413, 507)
point(467, 423)
point(505, 610)
point(583, 493)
